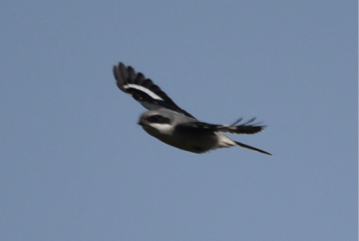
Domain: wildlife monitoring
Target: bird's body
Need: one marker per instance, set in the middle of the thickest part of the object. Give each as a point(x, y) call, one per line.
point(172, 125)
point(173, 135)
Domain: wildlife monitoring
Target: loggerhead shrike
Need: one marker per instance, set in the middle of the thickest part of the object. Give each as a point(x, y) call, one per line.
point(174, 126)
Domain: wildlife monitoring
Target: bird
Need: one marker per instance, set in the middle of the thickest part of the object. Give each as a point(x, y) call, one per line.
point(174, 126)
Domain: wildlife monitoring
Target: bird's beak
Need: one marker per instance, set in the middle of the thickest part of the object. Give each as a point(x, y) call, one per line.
point(141, 122)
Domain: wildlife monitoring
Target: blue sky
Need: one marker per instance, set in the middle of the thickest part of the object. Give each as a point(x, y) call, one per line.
point(74, 165)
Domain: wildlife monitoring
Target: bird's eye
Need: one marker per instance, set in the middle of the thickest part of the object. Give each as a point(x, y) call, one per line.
point(158, 119)
point(154, 118)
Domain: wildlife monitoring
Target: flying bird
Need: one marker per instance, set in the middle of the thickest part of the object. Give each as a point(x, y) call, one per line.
point(174, 126)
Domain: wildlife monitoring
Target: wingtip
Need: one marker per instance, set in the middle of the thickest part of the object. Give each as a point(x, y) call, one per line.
point(119, 72)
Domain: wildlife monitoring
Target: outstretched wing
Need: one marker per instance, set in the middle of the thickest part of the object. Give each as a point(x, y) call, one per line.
point(144, 90)
point(205, 128)
point(245, 128)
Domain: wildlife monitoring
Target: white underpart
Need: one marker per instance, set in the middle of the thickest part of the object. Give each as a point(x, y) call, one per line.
point(162, 128)
point(224, 141)
point(143, 89)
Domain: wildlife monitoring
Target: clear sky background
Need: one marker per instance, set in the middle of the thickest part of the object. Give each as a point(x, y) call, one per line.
point(74, 165)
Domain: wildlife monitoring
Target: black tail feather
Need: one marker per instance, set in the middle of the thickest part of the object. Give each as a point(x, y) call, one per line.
point(252, 148)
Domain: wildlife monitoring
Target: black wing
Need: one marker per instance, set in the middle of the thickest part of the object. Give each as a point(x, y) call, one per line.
point(245, 128)
point(143, 90)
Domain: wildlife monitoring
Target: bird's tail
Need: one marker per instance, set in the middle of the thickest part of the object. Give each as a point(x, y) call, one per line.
point(225, 141)
point(251, 148)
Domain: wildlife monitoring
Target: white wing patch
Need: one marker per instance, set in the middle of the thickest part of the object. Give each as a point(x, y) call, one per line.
point(143, 89)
